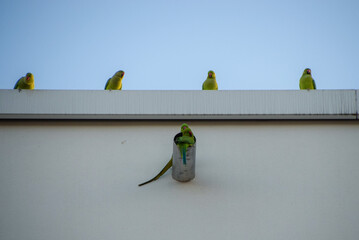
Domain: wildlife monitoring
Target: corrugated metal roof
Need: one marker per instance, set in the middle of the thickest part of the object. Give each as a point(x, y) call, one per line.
point(178, 105)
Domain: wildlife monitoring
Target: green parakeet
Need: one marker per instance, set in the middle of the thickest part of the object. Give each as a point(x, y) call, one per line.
point(184, 141)
point(210, 83)
point(306, 81)
point(115, 83)
point(26, 82)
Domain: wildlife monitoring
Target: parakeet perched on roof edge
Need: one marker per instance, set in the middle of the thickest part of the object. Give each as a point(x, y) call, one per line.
point(210, 83)
point(115, 83)
point(306, 81)
point(26, 82)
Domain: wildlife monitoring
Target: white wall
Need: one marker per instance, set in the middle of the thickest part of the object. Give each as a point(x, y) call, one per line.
point(254, 180)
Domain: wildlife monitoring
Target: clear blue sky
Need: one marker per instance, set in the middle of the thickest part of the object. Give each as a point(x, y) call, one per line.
point(171, 45)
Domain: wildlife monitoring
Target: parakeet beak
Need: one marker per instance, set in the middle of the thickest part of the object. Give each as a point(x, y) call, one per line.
point(210, 74)
point(308, 71)
point(27, 78)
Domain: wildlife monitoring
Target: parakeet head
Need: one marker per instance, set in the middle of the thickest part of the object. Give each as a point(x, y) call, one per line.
point(29, 78)
point(120, 74)
point(307, 71)
point(183, 127)
point(185, 130)
point(211, 74)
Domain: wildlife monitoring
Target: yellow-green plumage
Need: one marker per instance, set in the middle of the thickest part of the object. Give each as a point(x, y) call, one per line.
point(306, 81)
point(26, 82)
point(210, 83)
point(115, 83)
point(185, 141)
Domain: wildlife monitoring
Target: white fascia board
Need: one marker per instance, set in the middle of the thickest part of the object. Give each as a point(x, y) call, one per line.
point(179, 105)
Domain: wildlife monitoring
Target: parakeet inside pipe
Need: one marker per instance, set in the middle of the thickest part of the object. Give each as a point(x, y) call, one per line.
point(183, 141)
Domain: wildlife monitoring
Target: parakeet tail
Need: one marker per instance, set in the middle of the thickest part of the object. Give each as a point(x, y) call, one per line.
point(184, 156)
point(168, 165)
